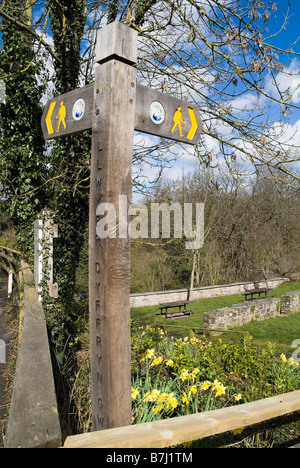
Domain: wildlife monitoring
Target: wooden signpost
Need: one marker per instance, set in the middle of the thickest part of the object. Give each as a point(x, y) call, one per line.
point(113, 107)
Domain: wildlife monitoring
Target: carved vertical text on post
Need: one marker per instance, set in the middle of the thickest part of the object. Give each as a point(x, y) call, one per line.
point(109, 258)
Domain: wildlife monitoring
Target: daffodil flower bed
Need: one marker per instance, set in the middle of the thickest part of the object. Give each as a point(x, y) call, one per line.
point(174, 377)
point(179, 376)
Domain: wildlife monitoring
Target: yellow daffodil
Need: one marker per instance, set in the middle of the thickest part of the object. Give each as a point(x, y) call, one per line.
point(169, 363)
point(184, 375)
point(152, 396)
point(218, 388)
point(283, 358)
point(205, 385)
point(134, 393)
point(162, 398)
point(149, 353)
point(238, 431)
point(157, 409)
point(157, 361)
point(172, 402)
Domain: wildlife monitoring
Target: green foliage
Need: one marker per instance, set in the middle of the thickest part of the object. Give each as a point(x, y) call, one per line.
point(33, 179)
point(68, 194)
point(67, 20)
point(173, 377)
point(21, 141)
point(69, 205)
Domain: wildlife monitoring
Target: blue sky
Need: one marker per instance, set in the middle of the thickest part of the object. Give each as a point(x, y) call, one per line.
point(288, 36)
point(282, 41)
point(288, 79)
point(291, 31)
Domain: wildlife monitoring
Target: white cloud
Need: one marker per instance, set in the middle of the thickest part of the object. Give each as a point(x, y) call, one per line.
point(287, 135)
point(287, 83)
point(48, 67)
point(247, 102)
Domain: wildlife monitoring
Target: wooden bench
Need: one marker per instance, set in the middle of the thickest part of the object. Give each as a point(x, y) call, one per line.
point(180, 306)
point(173, 305)
point(178, 314)
point(256, 291)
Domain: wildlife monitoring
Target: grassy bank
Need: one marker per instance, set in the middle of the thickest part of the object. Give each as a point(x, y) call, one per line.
point(281, 331)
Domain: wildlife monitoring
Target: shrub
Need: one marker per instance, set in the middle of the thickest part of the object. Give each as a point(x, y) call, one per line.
point(174, 377)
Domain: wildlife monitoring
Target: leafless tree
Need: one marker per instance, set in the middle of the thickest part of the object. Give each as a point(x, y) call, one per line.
point(223, 55)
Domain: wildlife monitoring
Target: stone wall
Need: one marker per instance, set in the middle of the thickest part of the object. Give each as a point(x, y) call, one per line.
point(155, 298)
point(290, 303)
point(33, 418)
point(241, 314)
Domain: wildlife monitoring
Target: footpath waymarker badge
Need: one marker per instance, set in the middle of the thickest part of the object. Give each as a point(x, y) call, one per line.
point(157, 113)
point(78, 109)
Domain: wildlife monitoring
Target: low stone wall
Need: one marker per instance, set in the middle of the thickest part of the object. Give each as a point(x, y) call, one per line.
point(33, 416)
point(290, 303)
point(155, 298)
point(241, 314)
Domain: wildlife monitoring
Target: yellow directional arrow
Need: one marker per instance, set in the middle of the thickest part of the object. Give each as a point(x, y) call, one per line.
point(48, 118)
point(194, 125)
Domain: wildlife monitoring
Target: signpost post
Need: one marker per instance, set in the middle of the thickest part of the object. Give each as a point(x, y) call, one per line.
point(109, 259)
point(113, 107)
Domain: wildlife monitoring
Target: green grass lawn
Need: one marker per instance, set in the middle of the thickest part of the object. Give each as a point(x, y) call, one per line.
point(151, 314)
point(279, 330)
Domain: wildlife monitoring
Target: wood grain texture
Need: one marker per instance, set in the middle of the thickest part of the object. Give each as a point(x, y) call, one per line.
point(109, 258)
point(116, 40)
point(183, 429)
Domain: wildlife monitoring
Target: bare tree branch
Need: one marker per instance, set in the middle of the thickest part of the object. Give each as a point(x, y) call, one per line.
point(28, 29)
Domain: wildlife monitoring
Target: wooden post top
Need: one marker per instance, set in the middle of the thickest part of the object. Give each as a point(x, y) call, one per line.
point(116, 40)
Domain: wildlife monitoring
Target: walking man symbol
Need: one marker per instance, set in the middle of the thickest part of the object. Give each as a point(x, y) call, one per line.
point(62, 116)
point(178, 118)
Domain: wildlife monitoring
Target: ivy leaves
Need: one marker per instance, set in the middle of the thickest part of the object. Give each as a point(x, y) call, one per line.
point(21, 141)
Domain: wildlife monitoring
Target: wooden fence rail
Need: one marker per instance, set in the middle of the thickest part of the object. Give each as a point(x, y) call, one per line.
point(170, 432)
point(204, 330)
point(10, 262)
